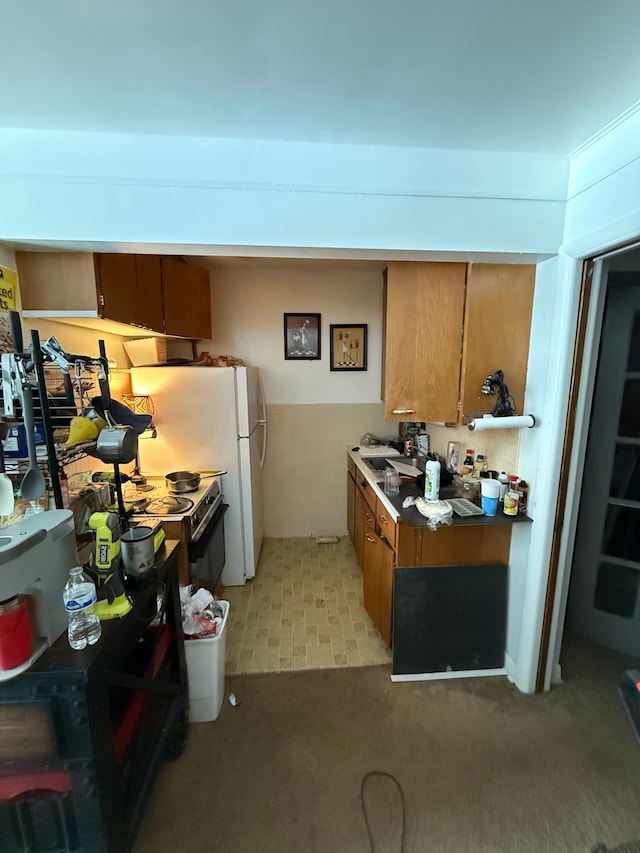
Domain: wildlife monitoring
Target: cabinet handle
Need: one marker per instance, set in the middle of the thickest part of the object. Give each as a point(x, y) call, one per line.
point(369, 538)
point(402, 412)
point(382, 519)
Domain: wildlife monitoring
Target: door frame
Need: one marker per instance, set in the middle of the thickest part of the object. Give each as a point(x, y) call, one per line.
point(591, 301)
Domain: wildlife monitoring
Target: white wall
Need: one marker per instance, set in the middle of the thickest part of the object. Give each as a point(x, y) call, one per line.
point(603, 212)
point(197, 194)
point(603, 202)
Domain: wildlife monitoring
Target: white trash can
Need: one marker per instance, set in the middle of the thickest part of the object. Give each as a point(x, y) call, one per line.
point(205, 671)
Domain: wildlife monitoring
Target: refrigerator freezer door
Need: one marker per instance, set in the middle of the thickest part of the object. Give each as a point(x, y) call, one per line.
point(195, 417)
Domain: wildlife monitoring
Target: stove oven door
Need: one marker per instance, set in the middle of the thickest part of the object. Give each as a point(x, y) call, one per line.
point(207, 553)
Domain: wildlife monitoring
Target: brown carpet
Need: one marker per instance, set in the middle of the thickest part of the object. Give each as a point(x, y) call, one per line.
point(481, 766)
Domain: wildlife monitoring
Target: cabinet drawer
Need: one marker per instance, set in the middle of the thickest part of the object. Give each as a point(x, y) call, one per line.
point(386, 524)
point(351, 467)
point(366, 490)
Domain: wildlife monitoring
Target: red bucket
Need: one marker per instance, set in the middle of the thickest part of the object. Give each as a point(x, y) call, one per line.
point(16, 641)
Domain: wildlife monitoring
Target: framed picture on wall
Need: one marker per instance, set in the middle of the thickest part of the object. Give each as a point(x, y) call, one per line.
point(348, 347)
point(302, 336)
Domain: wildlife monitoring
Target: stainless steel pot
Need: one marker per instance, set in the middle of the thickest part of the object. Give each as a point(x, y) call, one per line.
point(179, 482)
point(117, 443)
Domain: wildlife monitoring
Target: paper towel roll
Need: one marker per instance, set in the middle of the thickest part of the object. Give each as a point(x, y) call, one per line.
point(514, 422)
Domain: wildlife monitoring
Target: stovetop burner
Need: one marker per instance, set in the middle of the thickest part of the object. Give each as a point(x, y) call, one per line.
point(196, 510)
point(168, 505)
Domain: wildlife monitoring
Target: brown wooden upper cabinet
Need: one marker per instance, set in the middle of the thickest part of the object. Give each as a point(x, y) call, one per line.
point(187, 301)
point(447, 326)
point(137, 290)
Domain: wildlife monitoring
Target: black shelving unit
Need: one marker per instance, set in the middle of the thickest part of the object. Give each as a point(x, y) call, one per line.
point(83, 733)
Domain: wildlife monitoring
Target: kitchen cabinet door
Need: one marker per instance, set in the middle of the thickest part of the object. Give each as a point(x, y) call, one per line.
point(148, 304)
point(187, 299)
point(116, 287)
point(57, 281)
point(423, 321)
point(378, 582)
point(497, 325)
point(360, 508)
point(351, 508)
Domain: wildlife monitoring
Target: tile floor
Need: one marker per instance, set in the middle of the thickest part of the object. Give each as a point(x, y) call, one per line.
point(303, 610)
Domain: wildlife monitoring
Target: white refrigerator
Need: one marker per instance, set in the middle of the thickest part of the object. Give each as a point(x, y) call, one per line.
point(211, 418)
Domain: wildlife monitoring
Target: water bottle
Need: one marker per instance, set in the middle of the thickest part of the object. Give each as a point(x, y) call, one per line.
point(80, 603)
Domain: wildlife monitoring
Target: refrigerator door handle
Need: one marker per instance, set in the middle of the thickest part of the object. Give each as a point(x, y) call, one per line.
point(263, 421)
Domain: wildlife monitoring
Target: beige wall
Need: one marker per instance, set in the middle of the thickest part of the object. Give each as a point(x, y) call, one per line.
point(305, 475)
point(313, 413)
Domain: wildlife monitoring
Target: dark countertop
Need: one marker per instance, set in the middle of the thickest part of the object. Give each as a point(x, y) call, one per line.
point(413, 518)
point(410, 516)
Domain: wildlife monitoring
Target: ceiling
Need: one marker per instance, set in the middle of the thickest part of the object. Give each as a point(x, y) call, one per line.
point(536, 76)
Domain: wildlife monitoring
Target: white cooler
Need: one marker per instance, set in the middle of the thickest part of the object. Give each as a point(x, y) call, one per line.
point(205, 671)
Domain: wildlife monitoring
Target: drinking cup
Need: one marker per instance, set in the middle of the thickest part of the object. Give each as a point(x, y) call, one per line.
point(391, 481)
point(490, 491)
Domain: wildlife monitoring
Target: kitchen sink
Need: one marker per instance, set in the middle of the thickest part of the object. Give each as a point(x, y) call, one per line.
point(378, 464)
point(382, 463)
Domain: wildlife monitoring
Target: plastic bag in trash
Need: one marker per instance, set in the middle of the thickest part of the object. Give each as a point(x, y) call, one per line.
point(202, 616)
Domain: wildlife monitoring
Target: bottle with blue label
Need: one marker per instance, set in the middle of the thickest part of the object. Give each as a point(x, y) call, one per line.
point(80, 599)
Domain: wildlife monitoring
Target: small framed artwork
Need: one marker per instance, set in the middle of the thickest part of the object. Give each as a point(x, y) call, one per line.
point(302, 336)
point(349, 347)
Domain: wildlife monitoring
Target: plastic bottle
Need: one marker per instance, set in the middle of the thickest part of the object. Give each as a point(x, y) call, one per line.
point(467, 465)
point(432, 481)
point(504, 485)
point(512, 497)
point(80, 598)
point(479, 465)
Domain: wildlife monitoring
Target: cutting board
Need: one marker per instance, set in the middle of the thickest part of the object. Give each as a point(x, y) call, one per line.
point(404, 469)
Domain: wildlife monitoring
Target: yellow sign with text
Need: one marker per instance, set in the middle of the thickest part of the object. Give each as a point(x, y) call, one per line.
point(8, 289)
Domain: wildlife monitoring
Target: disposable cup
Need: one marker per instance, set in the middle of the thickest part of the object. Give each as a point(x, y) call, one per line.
point(490, 493)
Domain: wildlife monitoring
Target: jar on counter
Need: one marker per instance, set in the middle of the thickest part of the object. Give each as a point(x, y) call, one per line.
point(467, 488)
point(512, 497)
point(479, 465)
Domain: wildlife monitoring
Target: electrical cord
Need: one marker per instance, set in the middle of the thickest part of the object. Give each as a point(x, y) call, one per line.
point(382, 774)
point(505, 404)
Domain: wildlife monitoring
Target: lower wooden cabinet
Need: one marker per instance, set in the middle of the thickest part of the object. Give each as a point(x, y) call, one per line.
point(383, 545)
point(378, 567)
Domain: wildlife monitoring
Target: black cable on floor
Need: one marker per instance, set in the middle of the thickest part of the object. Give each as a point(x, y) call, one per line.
point(381, 773)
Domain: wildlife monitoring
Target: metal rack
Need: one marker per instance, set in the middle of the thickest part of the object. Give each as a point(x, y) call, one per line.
point(62, 387)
